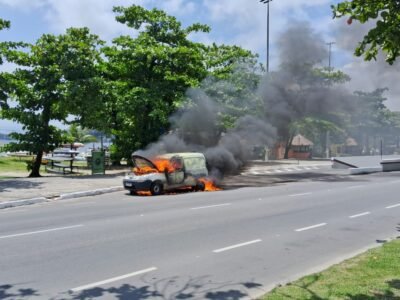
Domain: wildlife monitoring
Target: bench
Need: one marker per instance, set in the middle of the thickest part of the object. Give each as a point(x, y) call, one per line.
point(56, 164)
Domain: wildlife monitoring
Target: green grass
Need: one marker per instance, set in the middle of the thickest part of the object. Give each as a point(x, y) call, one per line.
point(13, 164)
point(16, 166)
point(372, 275)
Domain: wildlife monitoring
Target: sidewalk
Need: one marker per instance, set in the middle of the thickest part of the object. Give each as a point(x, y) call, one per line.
point(23, 190)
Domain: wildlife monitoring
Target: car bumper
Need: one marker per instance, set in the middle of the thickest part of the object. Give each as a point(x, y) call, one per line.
point(137, 186)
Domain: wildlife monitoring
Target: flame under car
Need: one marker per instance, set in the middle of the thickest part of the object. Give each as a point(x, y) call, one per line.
point(168, 172)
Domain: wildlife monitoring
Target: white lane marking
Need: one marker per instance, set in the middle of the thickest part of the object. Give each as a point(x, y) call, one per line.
point(79, 203)
point(360, 215)
point(40, 231)
point(236, 246)
point(211, 206)
point(96, 284)
point(278, 171)
point(393, 206)
point(355, 186)
point(394, 181)
point(302, 194)
point(311, 227)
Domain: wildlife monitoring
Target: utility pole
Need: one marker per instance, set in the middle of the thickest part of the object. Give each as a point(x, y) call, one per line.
point(330, 54)
point(267, 56)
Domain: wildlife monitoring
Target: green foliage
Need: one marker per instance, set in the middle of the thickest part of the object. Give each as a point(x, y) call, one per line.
point(4, 24)
point(148, 76)
point(56, 77)
point(384, 36)
point(77, 134)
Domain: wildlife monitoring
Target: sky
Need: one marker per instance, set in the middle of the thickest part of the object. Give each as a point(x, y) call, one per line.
point(232, 22)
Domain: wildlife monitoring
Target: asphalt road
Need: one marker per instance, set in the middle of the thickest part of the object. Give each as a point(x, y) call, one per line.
point(232, 244)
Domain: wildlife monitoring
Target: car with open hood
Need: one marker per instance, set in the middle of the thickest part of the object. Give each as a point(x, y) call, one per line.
point(167, 172)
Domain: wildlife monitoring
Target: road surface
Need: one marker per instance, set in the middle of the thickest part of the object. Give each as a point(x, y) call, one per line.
point(233, 244)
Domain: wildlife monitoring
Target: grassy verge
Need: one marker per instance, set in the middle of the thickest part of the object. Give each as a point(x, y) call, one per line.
point(372, 275)
point(15, 165)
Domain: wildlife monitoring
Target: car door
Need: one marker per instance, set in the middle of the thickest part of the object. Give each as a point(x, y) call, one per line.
point(177, 175)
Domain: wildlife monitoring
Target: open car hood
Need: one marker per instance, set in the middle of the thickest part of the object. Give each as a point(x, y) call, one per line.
point(142, 162)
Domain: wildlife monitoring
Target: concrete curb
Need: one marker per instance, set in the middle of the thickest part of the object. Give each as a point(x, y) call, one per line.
point(65, 196)
point(90, 193)
point(21, 202)
point(360, 171)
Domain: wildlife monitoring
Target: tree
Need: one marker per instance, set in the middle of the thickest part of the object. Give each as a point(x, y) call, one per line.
point(148, 75)
point(56, 77)
point(384, 36)
point(78, 134)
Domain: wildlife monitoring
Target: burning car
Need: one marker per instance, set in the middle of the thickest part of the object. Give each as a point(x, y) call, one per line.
point(167, 172)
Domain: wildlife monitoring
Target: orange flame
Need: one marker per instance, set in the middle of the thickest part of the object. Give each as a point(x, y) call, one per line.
point(161, 165)
point(209, 184)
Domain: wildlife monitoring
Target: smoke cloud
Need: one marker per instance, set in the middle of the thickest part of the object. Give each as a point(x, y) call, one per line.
point(293, 92)
point(197, 127)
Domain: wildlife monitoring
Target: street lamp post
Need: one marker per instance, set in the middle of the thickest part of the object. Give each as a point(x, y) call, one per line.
point(330, 53)
point(267, 58)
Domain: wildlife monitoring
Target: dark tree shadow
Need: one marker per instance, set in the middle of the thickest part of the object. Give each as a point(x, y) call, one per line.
point(10, 184)
point(168, 289)
point(8, 291)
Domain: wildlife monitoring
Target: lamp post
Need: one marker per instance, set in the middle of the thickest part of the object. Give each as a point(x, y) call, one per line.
point(267, 58)
point(330, 53)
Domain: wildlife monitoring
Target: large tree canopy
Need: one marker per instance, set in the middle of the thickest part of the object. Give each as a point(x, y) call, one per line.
point(55, 78)
point(148, 74)
point(384, 36)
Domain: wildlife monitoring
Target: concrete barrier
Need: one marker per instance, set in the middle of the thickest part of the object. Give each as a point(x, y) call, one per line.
point(389, 165)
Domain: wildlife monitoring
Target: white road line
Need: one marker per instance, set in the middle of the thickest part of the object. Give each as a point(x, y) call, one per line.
point(96, 284)
point(211, 206)
point(360, 215)
point(297, 195)
point(355, 186)
point(237, 246)
point(79, 203)
point(311, 227)
point(393, 206)
point(40, 231)
point(278, 171)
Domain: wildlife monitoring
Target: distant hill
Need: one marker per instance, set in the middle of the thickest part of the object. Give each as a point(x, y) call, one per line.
point(4, 136)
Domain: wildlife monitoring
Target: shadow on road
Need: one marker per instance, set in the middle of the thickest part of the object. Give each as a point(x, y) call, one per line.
point(8, 291)
point(168, 289)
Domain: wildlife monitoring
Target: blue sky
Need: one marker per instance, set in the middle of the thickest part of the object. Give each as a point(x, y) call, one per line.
point(240, 22)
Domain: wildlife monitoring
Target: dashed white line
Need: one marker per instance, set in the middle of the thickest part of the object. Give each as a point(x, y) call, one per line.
point(360, 215)
point(311, 227)
point(393, 206)
point(355, 186)
point(211, 206)
point(297, 195)
point(96, 284)
point(40, 231)
point(237, 246)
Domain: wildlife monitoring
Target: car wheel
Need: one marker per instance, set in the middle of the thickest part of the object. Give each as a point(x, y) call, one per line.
point(200, 186)
point(133, 193)
point(156, 188)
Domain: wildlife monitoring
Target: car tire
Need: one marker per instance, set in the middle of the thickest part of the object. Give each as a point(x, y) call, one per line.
point(200, 186)
point(133, 193)
point(156, 188)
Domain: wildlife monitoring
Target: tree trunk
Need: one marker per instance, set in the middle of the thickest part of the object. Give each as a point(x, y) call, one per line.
point(35, 172)
point(287, 146)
